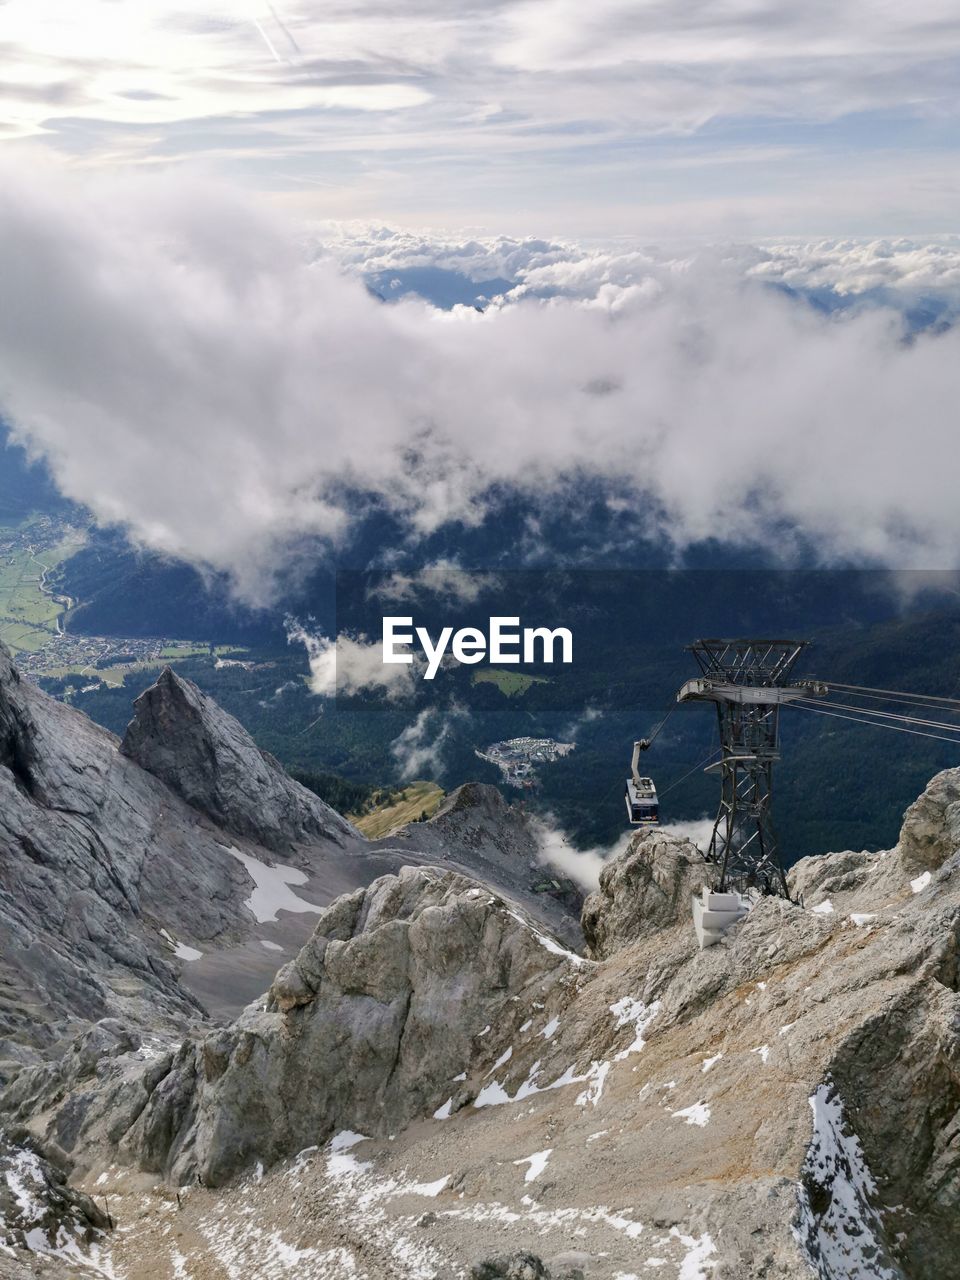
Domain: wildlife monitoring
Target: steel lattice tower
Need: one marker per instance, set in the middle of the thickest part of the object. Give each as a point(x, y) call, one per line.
point(746, 680)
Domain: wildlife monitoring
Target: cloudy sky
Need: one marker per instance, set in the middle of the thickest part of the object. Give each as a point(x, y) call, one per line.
point(743, 118)
point(717, 244)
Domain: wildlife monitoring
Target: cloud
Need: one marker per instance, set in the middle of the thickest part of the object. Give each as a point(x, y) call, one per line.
point(697, 830)
point(350, 665)
point(583, 866)
point(419, 749)
point(190, 375)
point(601, 118)
point(443, 579)
point(587, 716)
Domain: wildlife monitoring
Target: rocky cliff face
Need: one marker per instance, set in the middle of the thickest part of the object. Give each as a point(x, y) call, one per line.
point(204, 755)
point(109, 878)
point(434, 1087)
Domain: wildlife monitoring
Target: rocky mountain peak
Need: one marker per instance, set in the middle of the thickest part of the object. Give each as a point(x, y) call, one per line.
point(206, 756)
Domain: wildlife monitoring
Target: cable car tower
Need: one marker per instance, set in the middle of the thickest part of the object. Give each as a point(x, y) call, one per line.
point(747, 680)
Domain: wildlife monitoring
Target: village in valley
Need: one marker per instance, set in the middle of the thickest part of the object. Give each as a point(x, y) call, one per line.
point(519, 758)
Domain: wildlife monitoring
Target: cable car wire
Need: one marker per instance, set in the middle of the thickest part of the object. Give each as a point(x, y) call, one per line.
point(891, 695)
point(714, 752)
point(885, 715)
point(820, 711)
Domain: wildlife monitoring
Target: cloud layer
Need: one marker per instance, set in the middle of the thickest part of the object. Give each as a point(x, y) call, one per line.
point(586, 113)
point(192, 375)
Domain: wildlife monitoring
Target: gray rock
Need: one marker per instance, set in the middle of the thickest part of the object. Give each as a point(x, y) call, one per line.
point(478, 832)
point(931, 826)
point(511, 1266)
point(36, 1201)
point(647, 889)
point(366, 1030)
point(206, 756)
point(104, 868)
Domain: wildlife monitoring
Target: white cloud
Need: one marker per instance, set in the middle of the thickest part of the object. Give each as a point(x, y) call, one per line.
point(419, 749)
point(190, 376)
point(697, 830)
point(443, 578)
point(582, 865)
point(350, 665)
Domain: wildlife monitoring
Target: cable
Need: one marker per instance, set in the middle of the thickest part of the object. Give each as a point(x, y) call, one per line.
point(886, 715)
point(891, 695)
point(715, 751)
point(819, 711)
point(661, 724)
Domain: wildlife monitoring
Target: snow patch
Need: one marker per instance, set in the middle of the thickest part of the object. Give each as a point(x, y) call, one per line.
point(698, 1114)
point(921, 882)
point(537, 1163)
point(695, 1264)
point(764, 1052)
point(270, 946)
point(824, 908)
point(183, 952)
point(549, 944)
point(839, 1229)
point(860, 918)
point(550, 1030)
point(630, 1010)
point(272, 892)
point(711, 1062)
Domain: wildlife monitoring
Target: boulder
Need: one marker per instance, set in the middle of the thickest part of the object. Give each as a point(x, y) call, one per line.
point(931, 826)
point(648, 888)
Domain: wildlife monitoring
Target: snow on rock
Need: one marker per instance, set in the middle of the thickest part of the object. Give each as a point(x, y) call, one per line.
point(537, 1163)
point(921, 882)
point(824, 908)
point(39, 1213)
point(696, 1262)
point(550, 1029)
point(548, 943)
point(860, 918)
point(839, 1228)
point(494, 1094)
point(630, 1010)
point(270, 946)
point(764, 1051)
point(273, 892)
point(183, 952)
point(180, 949)
point(711, 1062)
point(698, 1114)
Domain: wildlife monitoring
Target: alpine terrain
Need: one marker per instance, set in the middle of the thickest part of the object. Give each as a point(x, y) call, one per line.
point(239, 1040)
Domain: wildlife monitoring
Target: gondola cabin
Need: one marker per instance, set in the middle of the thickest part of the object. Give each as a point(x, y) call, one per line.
point(642, 806)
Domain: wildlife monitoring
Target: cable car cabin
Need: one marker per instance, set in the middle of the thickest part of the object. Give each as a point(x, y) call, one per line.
point(643, 809)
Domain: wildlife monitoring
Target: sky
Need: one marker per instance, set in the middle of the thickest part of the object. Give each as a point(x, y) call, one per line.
point(716, 245)
point(733, 118)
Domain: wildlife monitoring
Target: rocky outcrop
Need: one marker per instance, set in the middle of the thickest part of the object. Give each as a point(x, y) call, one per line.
point(647, 889)
point(39, 1211)
point(370, 1027)
point(931, 826)
point(183, 738)
point(478, 832)
point(435, 1083)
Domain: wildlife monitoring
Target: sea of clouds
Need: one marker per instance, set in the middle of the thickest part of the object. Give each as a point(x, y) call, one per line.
point(222, 383)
